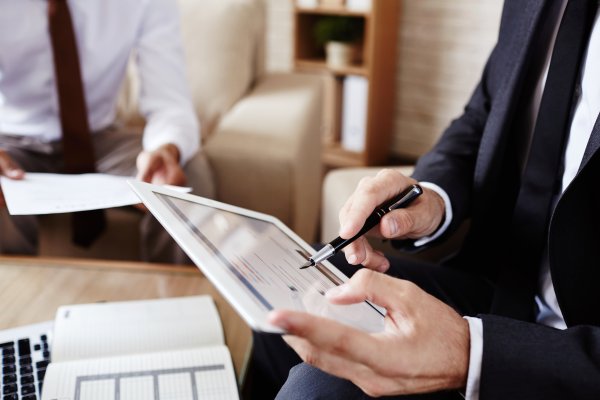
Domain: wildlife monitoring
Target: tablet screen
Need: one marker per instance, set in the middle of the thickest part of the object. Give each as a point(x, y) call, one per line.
point(265, 261)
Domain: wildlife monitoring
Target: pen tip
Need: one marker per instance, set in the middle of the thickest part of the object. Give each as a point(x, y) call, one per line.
point(307, 264)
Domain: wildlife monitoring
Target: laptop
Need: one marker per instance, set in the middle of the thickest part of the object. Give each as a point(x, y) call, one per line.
point(25, 353)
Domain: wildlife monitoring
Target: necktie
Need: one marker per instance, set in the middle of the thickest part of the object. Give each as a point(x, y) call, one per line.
point(540, 181)
point(78, 152)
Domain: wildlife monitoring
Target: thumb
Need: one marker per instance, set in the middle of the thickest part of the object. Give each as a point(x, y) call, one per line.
point(398, 223)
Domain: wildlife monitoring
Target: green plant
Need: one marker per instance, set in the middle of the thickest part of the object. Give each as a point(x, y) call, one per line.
point(338, 28)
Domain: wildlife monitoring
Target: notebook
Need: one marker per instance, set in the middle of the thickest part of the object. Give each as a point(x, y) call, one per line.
point(154, 349)
point(25, 353)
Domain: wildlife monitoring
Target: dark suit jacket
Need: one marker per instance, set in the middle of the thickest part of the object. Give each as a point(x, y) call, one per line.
point(476, 164)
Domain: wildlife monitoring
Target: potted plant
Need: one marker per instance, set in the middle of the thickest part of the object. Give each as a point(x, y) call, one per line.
point(338, 35)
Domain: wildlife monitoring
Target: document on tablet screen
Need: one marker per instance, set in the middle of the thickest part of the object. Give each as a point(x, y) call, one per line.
point(266, 262)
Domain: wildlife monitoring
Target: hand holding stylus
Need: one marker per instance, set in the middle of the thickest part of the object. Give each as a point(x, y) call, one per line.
point(420, 219)
point(403, 199)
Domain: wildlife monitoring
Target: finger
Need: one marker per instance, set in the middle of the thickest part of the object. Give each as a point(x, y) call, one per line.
point(378, 288)
point(375, 260)
point(142, 165)
point(141, 207)
point(371, 192)
point(344, 210)
point(327, 335)
point(9, 167)
point(148, 165)
point(175, 174)
point(343, 215)
point(355, 252)
point(398, 223)
point(364, 200)
point(361, 252)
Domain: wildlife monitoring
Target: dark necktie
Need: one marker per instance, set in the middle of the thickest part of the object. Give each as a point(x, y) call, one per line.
point(541, 179)
point(78, 152)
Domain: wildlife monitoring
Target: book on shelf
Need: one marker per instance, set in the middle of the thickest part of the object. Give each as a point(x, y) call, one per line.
point(153, 349)
point(358, 5)
point(307, 3)
point(354, 112)
point(332, 3)
point(331, 101)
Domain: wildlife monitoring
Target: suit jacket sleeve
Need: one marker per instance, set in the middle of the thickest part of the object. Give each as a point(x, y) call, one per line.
point(524, 360)
point(451, 162)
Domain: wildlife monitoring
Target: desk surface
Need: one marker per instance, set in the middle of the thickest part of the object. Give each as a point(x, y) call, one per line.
point(31, 289)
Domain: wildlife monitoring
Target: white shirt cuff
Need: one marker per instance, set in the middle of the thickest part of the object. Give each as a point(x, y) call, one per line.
point(475, 357)
point(448, 215)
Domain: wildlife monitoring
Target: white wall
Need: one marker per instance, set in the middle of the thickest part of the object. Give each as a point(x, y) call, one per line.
point(442, 47)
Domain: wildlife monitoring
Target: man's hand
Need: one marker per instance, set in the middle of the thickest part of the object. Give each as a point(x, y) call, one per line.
point(423, 348)
point(161, 166)
point(10, 169)
point(420, 219)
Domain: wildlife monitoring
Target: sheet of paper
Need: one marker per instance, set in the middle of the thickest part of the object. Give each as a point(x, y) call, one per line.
point(129, 327)
point(204, 373)
point(40, 193)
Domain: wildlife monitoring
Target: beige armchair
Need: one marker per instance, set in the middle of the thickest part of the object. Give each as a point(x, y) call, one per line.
point(261, 131)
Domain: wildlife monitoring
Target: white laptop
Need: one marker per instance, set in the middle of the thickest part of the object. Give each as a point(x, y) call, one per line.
point(253, 259)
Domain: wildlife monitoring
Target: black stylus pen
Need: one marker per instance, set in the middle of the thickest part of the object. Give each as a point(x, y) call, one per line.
point(337, 244)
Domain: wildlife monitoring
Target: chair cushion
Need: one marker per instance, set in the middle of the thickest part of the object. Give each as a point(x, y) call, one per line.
point(220, 41)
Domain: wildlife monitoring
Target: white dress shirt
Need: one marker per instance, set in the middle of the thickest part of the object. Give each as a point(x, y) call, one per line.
point(108, 33)
point(587, 111)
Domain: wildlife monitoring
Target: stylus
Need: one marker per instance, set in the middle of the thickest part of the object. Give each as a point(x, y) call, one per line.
point(337, 244)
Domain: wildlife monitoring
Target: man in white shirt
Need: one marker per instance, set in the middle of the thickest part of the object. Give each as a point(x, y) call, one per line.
point(107, 35)
point(518, 317)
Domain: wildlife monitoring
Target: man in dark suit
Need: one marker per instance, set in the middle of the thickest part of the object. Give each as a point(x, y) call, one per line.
point(513, 314)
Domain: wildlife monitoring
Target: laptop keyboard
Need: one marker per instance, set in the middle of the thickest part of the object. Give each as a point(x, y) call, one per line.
point(25, 355)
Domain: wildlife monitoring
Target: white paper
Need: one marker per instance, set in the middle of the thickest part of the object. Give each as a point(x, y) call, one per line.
point(130, 327)
point(40, 193)
point(202, 373)
point(354, 113)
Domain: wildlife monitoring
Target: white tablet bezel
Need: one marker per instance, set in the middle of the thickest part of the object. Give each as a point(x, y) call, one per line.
point(240, 300)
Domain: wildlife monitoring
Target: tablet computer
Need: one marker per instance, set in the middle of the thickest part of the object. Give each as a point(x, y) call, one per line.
point(253, 259)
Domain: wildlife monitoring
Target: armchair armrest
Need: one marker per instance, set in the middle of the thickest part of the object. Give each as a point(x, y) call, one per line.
point(266, 151)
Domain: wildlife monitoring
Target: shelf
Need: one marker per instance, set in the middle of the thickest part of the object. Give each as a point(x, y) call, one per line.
point(332, 10)
point(336, 156)
point(318, 65)
point(375, 62)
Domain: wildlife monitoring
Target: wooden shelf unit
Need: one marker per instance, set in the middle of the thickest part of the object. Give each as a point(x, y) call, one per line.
point(376, 61)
